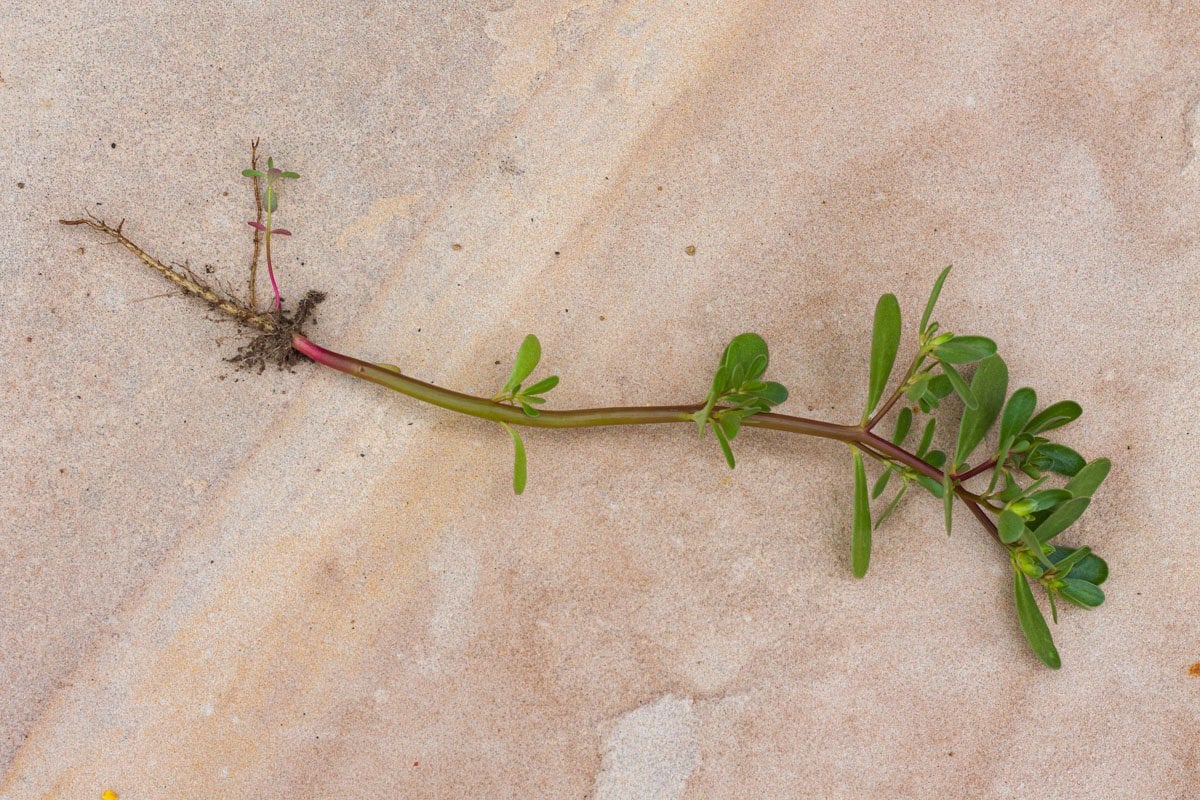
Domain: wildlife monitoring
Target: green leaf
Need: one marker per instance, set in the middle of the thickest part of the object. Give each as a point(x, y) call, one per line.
point(731, 423)
point(1055, 416)
point(1046, 498)
point(529, 410)
point(252, 173)
point(723, 440)
point(933, 298)
point(292, 175)
point(887, 512)
point(1058, 458)
point(1030, 540)
point(1088, 480)
point(1063, 566)
point(1009, 526)
point(528, 356)
point(744, 349)
point(989, 386)
point(1081, 592)
point(774, 393)
point(948, 498)
point(965, 349)
point(881, 483)
point(860, 544)
point(542, 386)
point(935, 488)
point(1063, 517)
point(270, 199)
point(885, 340)
point(1033, 624)
point(903, 423)
point(940, 386)
point(917, 390)
point(1017, 412)
point(1092, 568)
point(960, 386)
point(519, 466)
point(926, 437)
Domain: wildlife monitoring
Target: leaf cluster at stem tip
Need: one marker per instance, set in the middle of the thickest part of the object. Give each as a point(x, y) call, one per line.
point(1021, 508)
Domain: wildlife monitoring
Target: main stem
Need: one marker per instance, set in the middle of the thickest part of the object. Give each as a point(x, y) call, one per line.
point(392, 378)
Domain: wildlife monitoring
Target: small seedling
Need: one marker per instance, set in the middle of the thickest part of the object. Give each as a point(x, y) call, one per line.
point(957, 382)
point(268, 200)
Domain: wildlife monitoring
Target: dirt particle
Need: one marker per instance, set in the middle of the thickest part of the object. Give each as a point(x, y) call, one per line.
point(660, 188)
point(456, 247)
point(602, 318)
point(1194, 670)
point(82, 251)
point(29, 338)
point(690, 249)
point(113, 145)
point(20, 185)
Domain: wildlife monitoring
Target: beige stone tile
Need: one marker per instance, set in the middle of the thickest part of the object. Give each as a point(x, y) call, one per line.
point(220, 585)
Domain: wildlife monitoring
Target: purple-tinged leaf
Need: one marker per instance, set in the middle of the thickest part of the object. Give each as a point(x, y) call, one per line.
point(281, 231)
point(258, 226)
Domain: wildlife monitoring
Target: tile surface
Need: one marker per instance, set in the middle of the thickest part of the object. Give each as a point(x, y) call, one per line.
point(226, 585)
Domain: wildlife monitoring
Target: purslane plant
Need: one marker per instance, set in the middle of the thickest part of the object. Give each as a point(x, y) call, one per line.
point(1024, 488)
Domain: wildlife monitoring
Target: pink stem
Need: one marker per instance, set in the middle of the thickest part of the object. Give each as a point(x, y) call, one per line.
point(271, 275)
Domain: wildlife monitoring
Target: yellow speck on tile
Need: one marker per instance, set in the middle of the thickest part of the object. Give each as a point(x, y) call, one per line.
point(108, 794)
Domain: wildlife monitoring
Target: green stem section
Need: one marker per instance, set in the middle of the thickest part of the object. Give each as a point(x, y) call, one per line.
point(393, 379)
point(575, 418)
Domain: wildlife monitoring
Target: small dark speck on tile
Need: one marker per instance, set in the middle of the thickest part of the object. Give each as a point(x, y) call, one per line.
point(497, 363)
point(362, 455)
point(602, 318)
point(690, 249)
point(557, 253)
point(456, 247)
point(20, 185)
point(113, 145)
point(29, 338)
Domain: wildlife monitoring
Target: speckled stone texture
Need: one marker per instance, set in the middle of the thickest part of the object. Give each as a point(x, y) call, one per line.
point(296, 585)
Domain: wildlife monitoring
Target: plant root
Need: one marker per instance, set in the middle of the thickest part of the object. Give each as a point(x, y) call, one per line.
point(273, 345)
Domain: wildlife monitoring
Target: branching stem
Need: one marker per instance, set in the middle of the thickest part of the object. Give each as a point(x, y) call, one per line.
point(489, 409)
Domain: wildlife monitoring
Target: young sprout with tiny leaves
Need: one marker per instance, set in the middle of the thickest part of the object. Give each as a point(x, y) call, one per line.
point(1025, 488)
